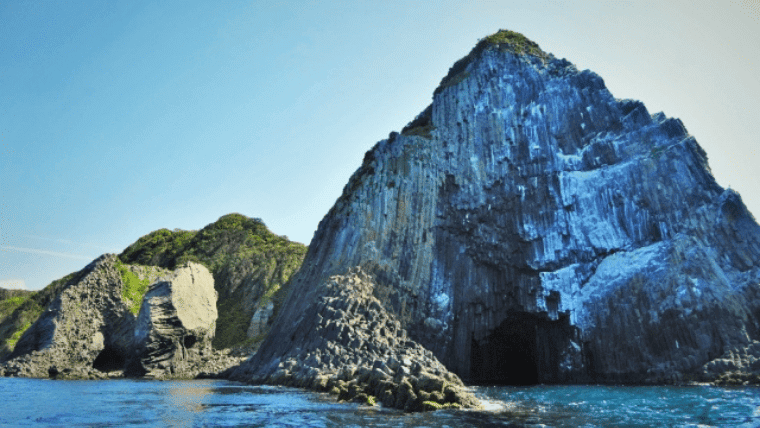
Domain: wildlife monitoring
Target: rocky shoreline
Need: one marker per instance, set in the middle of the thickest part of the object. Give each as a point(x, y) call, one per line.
point(358, 351)
point(91, 331)
point(38, 365)
point(736, 367)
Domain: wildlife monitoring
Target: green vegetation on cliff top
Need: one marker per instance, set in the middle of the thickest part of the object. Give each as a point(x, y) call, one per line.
point(504, 40)
point(513, 41)
point(133, 288)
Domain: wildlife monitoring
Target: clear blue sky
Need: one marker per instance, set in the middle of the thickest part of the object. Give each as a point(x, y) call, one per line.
point(119, 118)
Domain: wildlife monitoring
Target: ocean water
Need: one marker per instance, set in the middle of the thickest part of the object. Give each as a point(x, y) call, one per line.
point(47, 403)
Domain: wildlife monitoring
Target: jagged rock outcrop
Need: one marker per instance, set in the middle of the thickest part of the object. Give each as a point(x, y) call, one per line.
point(737, 366)
point(529, 227)
point(358, 351)
point(87, 328)
point(176, 324)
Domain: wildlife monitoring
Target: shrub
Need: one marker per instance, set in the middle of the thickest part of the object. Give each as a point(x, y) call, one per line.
point(133, 289)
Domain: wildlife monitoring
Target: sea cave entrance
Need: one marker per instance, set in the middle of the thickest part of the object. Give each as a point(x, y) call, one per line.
point(524, 349)
point(109, 360)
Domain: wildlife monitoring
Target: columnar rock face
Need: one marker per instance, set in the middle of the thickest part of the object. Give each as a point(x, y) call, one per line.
point(530, 227)
point(176, 323)
point(357, 350)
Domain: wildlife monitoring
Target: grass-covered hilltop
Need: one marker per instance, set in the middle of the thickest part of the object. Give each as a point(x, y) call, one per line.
point(250, 265)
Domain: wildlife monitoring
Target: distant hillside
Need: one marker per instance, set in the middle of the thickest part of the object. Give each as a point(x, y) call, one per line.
point(250, 264)
point(7, 294)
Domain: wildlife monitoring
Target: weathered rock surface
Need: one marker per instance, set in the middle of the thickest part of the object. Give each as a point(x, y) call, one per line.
point(87, 326)
point(260, 320)
point(176, 323)
point(352, 347)
point(88, 331)
point(529, 227)
point(737, 366)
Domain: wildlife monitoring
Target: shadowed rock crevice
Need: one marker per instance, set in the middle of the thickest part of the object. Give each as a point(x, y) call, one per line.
point(109, 360)
point(525, 349)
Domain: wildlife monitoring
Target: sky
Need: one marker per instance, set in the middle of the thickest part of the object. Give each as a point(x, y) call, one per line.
point(123, 117)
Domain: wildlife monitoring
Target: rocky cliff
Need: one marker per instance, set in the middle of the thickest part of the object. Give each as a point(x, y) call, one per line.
point(176, 324)
point(530, 227)
point(89, 328)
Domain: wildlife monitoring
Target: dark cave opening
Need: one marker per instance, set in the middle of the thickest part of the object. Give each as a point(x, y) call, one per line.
point(189, 341)
point(109, 360)
point(524, 349)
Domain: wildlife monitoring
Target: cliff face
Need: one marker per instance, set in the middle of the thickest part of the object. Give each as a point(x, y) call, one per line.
point(176, 324)
point(529, 227)
point(89, 328)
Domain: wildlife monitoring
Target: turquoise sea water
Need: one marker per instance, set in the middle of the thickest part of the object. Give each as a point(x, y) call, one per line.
point(33, 402)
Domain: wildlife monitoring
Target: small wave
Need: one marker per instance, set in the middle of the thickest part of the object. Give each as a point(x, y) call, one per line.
point(494, 406)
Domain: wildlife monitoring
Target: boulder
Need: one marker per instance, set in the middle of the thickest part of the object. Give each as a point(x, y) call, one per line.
point(176, 324)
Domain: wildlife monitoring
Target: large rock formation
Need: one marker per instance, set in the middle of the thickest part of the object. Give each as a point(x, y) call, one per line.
point(176, 323)
point(358, 351)
point(88, 329)
point(529, 227)
point(250, 265)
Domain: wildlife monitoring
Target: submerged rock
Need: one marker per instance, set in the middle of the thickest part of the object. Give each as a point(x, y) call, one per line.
point(529, 227)
point(176, 323)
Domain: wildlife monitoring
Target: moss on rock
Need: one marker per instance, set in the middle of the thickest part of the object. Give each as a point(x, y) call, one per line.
point(504, 40)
